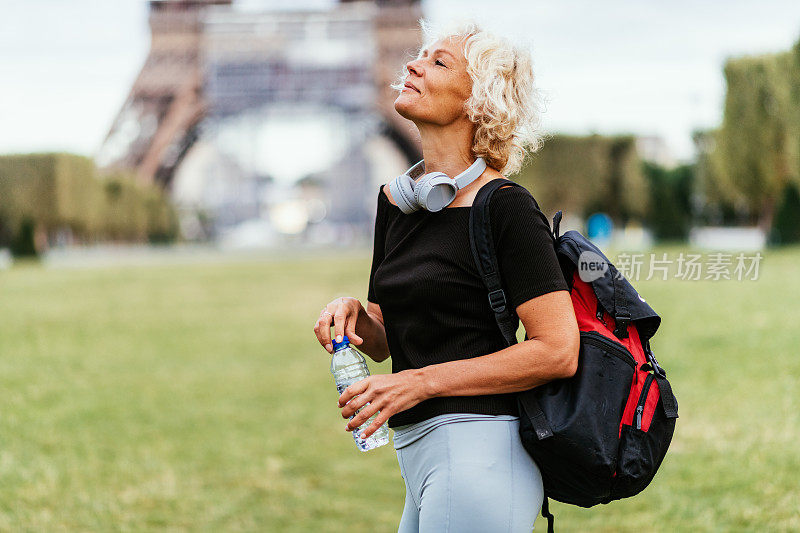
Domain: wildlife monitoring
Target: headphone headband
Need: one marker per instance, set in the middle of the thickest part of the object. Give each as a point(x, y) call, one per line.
point(471, 174)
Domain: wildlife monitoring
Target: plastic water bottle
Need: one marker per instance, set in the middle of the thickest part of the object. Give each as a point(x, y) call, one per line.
point(347, 367)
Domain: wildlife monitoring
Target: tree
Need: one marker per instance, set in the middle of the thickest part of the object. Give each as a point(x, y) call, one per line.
point(584, 174)
point(755, 149)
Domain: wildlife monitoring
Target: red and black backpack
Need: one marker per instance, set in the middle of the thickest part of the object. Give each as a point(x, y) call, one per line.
point(601, 434)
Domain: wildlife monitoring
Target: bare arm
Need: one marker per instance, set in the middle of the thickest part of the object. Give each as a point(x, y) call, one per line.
point(550, 353)
point(369, 326)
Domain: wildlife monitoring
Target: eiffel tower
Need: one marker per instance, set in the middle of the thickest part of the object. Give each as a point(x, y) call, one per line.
point(161, 117)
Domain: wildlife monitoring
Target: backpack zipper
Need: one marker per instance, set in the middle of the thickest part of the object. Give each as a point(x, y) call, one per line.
point(643, 399)
point(601, 341)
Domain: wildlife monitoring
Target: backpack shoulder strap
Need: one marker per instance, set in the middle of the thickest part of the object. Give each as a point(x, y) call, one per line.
point(556, 223)
point(483, 251)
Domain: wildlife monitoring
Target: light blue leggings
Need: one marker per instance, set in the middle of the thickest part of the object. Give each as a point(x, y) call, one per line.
point(467, 473)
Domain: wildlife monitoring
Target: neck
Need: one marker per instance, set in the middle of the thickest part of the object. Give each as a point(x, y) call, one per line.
point(447, 148)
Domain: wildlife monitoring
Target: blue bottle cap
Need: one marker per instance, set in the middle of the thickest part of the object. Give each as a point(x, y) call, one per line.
point(338, 345)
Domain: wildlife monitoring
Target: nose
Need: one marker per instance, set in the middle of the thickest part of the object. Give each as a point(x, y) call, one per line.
point(414, 67)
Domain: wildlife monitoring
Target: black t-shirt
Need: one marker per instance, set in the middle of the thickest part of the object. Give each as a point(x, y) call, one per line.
point(435, 306)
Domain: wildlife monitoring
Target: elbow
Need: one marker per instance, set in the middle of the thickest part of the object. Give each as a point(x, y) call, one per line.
point(570, 366)
point(379, 357)
point(568, 356)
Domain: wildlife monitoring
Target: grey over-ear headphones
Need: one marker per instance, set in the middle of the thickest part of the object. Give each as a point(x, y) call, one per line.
point(433, 191)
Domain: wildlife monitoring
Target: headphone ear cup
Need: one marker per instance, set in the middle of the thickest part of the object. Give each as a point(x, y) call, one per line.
point(438, 192)
point(402, 189)
point(421, 187)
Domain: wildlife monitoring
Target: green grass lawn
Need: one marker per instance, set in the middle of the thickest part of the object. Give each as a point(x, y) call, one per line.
point(197, 398)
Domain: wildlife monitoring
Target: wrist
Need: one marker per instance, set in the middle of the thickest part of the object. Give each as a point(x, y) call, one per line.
point(426, 384)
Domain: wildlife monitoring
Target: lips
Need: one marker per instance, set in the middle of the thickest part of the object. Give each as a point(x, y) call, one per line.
point(410, 86)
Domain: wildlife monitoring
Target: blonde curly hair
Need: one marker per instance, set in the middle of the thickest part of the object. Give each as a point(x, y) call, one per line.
point(504, 104)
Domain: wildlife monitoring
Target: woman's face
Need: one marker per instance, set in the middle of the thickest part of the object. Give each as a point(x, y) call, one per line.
point(439, 84)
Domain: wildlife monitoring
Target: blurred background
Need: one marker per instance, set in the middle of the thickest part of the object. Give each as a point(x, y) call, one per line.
point(249, 125)
point(184, 184)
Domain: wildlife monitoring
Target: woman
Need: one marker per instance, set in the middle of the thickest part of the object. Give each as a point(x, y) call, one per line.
point(450, 396)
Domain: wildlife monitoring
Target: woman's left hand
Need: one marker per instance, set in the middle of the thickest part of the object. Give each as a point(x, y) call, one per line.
point(387, 393)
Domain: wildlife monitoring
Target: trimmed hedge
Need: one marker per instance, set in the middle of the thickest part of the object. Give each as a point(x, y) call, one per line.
point(46, 195)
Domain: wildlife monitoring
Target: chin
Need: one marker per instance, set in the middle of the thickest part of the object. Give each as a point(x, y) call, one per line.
point(405, 108)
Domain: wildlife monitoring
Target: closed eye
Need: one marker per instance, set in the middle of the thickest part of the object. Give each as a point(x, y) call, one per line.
point(438, 62)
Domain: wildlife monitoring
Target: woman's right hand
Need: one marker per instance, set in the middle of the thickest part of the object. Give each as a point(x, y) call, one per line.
point(342, 313)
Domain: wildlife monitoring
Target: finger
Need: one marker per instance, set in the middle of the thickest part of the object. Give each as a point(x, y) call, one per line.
point(382, 417)
point(339, 320)
point(318, 327)
point(324, 331)
point(365, 414)
point(355, 404)
point(356, 388)
point(350, 329)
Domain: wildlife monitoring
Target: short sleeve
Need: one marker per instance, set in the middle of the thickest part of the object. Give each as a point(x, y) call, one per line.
point(378, 246)
point(524, 245)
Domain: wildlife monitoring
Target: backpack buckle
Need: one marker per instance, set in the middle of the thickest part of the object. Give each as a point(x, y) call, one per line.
point(621, 329)
point(497, 300)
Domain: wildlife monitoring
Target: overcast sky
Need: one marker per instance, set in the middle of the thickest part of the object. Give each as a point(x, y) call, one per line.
point(646, 67)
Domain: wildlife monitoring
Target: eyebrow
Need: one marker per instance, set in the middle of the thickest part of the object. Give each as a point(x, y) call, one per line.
point(442, 50)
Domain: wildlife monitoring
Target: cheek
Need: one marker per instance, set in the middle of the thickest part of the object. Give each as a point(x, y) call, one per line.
point(451, 104)
point(454, 93)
